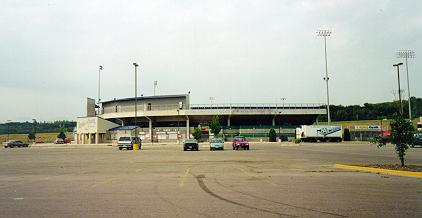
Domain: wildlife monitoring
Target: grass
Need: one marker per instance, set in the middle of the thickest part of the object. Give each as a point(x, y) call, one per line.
point(352, 124)
point(44, 137)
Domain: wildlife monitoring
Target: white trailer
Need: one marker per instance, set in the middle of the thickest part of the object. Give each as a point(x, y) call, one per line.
point(314, 133)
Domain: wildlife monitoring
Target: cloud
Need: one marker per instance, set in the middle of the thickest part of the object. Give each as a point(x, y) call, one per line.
point(236, 51)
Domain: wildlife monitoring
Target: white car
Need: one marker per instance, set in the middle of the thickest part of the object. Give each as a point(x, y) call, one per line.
point(127, 142)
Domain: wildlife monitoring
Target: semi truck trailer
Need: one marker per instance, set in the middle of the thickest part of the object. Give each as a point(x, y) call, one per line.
point(322, 133)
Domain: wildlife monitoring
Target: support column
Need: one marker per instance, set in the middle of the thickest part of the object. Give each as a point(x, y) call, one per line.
point(97, 138)
point(187, 128)
point(228, 121)
point(150, 129)
point(273, 121)
point(89, 138)
point(83, 138)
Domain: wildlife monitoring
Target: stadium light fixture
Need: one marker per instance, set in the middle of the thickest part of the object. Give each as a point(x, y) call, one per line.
point(406, 54)
point(325, 33)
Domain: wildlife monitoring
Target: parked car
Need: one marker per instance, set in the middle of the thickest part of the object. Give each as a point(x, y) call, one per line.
point(127, 142)
point(417, 140)
point(216, 144)
point(240, 142)
point(15, 143)
point(385, 135)
point(59, 141)
point(191, 144)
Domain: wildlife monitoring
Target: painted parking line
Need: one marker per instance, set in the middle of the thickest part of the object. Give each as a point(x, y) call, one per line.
point(379, 170)
point(182, 180)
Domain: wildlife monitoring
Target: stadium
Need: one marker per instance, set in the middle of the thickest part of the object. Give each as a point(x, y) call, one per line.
point(166, 118)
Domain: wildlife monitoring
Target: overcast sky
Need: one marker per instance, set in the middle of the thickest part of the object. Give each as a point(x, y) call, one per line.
point(235, 51)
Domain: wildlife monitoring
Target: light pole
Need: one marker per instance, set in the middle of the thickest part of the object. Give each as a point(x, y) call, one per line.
point(100, 68)
point(155, 85)
point(325, 33)
point(282, 100)
point(136, 97)
point(35, 130)
point(398, 80)
point(407, 54)
point(8, 129)
point(212, 100)
point(178, 123)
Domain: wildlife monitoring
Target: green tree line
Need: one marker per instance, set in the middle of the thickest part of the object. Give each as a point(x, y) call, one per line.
point(374, 111)
point(38, 127)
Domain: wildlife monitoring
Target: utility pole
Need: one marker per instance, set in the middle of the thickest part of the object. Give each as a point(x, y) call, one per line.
point(136, 98)
point(325, 33)
point(155, 85)
point(407, 54)
point(100, 68)
point(398, 80)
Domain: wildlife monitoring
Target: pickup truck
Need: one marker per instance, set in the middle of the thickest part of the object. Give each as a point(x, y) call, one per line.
point(127, 142)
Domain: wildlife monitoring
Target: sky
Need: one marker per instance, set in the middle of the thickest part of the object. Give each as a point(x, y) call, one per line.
point(233, 51)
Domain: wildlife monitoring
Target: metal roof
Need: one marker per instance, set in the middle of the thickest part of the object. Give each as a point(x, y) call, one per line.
point(146, 97)
point(123, 128)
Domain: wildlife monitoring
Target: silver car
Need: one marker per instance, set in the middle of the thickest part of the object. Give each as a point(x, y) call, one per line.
point(216, 144)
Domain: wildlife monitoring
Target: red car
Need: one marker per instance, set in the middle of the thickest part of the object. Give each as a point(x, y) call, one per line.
point(240, 142)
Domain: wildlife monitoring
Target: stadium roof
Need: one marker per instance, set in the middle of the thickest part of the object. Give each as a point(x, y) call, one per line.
point(147, 97)
point(123, 128)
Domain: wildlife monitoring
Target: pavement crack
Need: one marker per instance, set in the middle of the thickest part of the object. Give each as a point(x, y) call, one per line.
point(200, 178)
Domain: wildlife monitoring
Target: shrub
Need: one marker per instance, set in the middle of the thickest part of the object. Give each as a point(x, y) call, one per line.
point(215, 125)
point(197, 134)
point(272, 135)
point(346, 135)
point(61, 135)
point(297, 141)
point(284, 138)
point(402, 131)
point(31, 136)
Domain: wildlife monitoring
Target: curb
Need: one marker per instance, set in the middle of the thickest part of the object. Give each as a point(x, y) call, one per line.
point(379, 170)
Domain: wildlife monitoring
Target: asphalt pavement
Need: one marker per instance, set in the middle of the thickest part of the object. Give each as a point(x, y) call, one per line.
point(162, 180)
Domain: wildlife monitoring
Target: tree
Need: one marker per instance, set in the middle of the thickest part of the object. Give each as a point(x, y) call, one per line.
point(61, 135)
point(346, 135)
point(272, 135)
point(402, 132)
point(196, 134)
point(31, 136)
point(215, 125)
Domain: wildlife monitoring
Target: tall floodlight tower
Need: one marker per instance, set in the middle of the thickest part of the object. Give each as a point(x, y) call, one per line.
point(398, 81)
point(136, 97)
point(406, 54)
point(155, 85)
point(100, 68)
point(325, 33)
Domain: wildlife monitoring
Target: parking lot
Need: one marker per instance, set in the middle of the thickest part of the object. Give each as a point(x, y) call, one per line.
point(270, 180)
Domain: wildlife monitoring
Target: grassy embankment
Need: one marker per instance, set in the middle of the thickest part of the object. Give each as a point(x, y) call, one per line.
point(352, 124)
point(44, 137)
